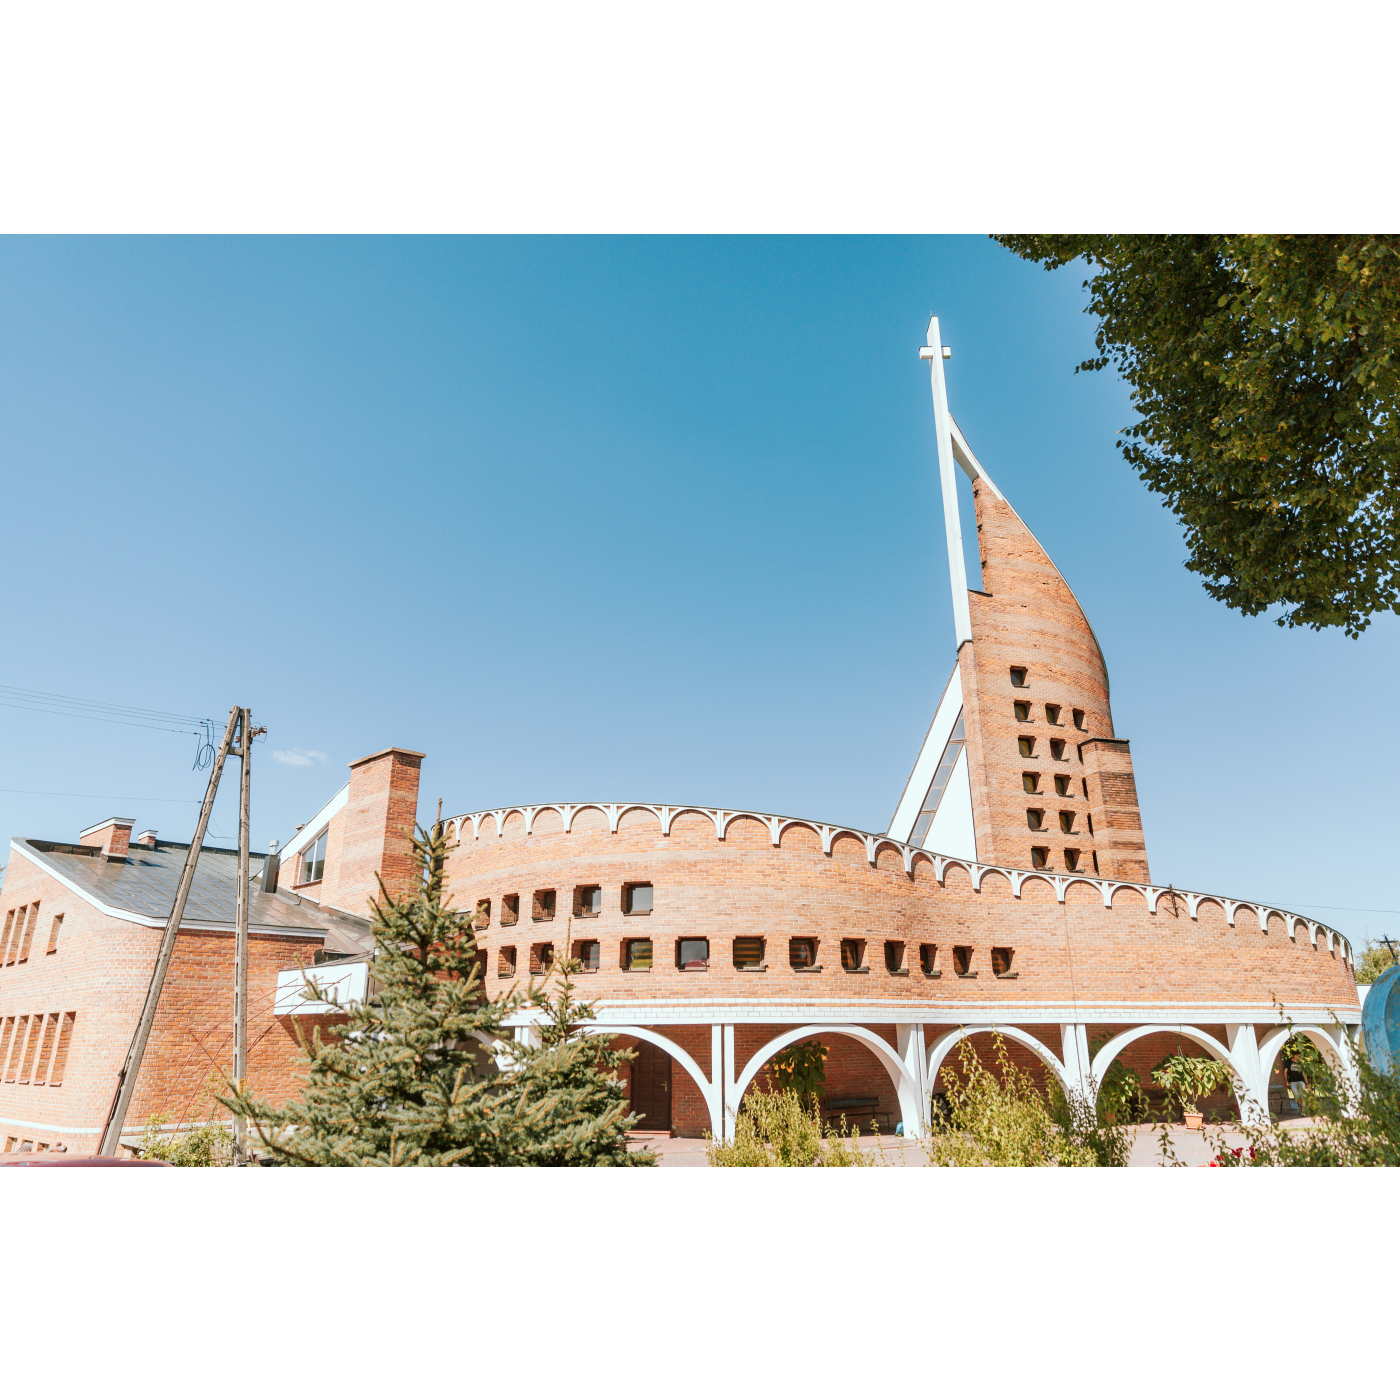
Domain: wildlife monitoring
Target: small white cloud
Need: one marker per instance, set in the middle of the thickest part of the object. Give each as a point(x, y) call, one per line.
point(299, 758)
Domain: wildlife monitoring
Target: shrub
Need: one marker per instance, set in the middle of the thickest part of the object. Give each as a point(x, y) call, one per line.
point(777, 1130)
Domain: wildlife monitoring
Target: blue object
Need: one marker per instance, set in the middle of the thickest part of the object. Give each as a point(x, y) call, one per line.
point(899, 1130)
point(1380, 1020)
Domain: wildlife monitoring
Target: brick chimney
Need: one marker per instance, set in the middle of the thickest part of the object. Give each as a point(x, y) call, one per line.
point(377, 836)
point(113, 835)
point(145, 838)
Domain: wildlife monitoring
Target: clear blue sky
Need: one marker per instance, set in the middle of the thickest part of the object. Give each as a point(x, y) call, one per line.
point(610, 519)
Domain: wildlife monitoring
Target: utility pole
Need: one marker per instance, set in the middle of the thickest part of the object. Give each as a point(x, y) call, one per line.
point(240, 939)
point(1389, 944)
point(131, 1069)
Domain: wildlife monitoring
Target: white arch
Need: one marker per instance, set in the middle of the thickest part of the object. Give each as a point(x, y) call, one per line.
point(909, 1093)
point(708, 1089)
point(938, 1051)
point(1208, 1043)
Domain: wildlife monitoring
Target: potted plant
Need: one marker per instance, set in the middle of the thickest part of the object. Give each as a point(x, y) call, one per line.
point(1189, 1080)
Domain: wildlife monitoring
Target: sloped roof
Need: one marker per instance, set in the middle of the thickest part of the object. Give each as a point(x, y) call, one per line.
point(143, 884)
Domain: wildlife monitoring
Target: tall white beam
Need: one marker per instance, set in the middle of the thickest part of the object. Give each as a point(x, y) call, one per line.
point(935, 354)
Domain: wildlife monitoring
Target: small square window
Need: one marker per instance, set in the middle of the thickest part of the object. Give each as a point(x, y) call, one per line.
point(1062, 783)
point(1071, 860)
point(1052, 714)
point(1057, 750)
point(693, 954)
point(1079, 719)
point(510, 909)
point(748, 953)
point(586, 951)
point(1067, 822)
point(1030, 781)
point(802, 952)
point(638, 954)
point(588, 901)
point(1026, 743)
point(1035, 818)
point(637, 899)
point(1040, 857)
point(1023, 710)
point(928, 959)
point(1001, 962)
point(894, 955)
point(962, 962)
point(1018, 677)
point(853, 954)
point(505, 962)
point(542, 907)
point(541, 958)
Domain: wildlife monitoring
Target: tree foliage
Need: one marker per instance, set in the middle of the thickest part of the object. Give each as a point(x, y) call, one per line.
point(410, 1078)
point(1374, 961)
point(784, 1129)
point(1266, 371)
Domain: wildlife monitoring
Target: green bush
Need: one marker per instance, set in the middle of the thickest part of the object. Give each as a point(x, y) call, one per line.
point(777, 1130)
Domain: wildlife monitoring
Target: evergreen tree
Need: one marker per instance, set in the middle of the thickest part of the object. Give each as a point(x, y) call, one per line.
point(406, 1081)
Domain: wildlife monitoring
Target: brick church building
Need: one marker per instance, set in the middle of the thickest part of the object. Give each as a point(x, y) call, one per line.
point(1012, 892)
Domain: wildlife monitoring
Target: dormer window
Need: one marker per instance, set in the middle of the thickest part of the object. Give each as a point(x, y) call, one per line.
point(313, 860)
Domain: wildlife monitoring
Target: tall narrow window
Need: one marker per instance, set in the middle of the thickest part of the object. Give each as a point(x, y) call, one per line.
point(1079, 719)
point(1084, 783)
point(853, 954)
point(510, 909)
point(7, 1034)
point(1067, 821)
point(1026, 743)
point(482, 918)
point(54, 932)
point(587, 951)
point(5, 937)
point(1061, 785)
point(31, 1046)
point(928, 959)
point(60, 1059)
point(313, 860)
point(29, 932)
point(41, 1065)
point(1035, 818)
point(1023, 710)
point(894, 955)
point(1030, 781)
point(505, 962)
point(962, 962)
point(543, 907)
point(1052, 714)
point(952, 751)
point(12, 952)
point(1057, 750)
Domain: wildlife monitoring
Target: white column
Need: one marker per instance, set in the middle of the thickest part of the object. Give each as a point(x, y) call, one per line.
point(714, 1094)
point(1346, 1054)
point(1074, 1045)
point(729, 1099)
point(910, 1043)
point(1244, 1050)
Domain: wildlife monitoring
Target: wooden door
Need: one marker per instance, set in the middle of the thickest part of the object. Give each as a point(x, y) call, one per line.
point(651, 1088)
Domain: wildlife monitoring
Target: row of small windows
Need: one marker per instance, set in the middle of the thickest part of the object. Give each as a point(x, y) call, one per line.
point(1074, 859)
point(749, 955)
point(17, 940)
point(1052, 714)
point(587, 904)
point(34, 1049)
point(1035, 819)
point(1064, 784)
point(1026, 744)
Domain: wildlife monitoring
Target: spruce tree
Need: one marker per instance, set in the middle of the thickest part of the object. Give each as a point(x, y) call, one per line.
point(405, 1081)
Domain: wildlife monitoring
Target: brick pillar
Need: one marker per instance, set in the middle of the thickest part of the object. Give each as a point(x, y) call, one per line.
point(378, 834)
point(1113, 807)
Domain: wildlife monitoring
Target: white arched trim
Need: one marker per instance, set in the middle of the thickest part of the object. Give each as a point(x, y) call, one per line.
point(938, 1051)
point(910, 1107)
point(1207, 1042)
point(708, 1090)
point(1275, 1040)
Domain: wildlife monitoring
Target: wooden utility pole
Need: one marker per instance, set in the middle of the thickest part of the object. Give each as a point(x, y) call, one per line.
point(240, 939)
point(131, 1069)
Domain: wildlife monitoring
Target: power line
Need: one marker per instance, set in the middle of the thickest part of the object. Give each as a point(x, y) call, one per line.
point(104, 719)
point(16, 692)
point(100, 796)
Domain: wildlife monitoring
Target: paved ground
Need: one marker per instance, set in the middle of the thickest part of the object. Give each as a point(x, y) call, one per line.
point(1190, 1147)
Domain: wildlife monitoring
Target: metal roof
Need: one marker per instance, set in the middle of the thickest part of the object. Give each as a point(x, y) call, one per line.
point(143, 884)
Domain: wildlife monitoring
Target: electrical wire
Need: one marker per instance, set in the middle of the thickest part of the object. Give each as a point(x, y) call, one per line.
point(100, 796)
point(20, 697)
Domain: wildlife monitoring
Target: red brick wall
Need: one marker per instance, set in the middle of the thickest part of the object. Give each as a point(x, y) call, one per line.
point(372, 835)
